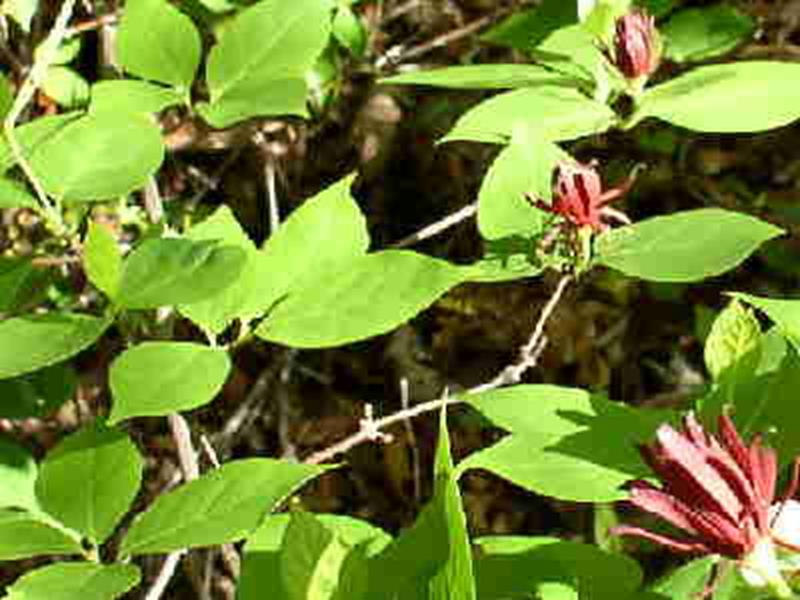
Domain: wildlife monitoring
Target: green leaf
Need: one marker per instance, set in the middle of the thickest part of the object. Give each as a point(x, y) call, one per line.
point(15, 195)
point(559, 441)
point(686, 246)
point(455, 579)
point(6, 96)
point(17, 476)
point(744, 96)
point(243, 298)
point(67, 51)
point(259, 66)
point(555, 113)
point(261, 564)
point(90, 479)
point(102, 259)
point(367, 296)
point(734, 334)
point(524, 166)
point(349, 31)
point(405, 568)
point(702, 33)
point(99, 171)
point(35, 341)
point(156, 41)
point(37, 394)
point(119, 96)
point(515, 566)
point(687, 581)
point(573, 51)
point(75, 581)
point(784, 313)
point(33, 135)
point(19, 283)
point(21, 11)
point(488, 77)
point(222, 506)
point(525, 29)
point(311, 558)
point(66, 87)
point(159, 378)
point(507, 259)
point(326, 232)
point(170, 271)
point(24, 534)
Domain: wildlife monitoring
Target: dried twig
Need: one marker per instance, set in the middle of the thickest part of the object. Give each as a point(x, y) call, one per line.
point(439, 226)
point(372, 429)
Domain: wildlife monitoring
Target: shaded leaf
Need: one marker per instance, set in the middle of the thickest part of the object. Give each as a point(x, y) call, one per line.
point(74, 581)
point(24, 534)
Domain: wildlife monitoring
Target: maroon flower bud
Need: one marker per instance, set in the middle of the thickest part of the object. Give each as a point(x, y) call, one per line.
point(637, 46)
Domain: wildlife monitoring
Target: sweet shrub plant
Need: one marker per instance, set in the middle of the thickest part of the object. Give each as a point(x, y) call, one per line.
point(318, 282)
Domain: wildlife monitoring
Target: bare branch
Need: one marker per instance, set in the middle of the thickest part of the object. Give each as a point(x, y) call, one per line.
point(439, 226)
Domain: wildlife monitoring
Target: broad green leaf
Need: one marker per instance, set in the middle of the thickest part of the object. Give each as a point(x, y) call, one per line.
point(35, 341)
point(687, 581)
point(326, 232)
point(555, 113)
point(102, 259)
point(405, 568)
point(21, 11)
point(261, 564)
point(507, 259)
point(573, 51)
point(744, 96)
point(15, 195)
point(100, 170)
point(525, 29)
point(24, 534)
point(90, 480)
point(74, 581)
point(349, 31)
point(37, 394)
point(19, 281)
point(734, 334)
point(455, 579)
point(559, 441)
point(523, 167)
point(243, 298)
point(159, 378)
point(519, 567)
point(490, 77)
point(369, 295)
point(66, 87)
point(33, 135)
point(170, 271)
point(17, 476)
point(657, 8)
point(311, 559)
point(259, 66)
point(120, 96)
point(6, 96)
point(156, 41)
point(702, 33)
point(68, 50)
point(784, 313)
point(222, 506)
point(686, 246)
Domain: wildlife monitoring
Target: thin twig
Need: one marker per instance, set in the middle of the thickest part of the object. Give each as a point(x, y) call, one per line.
point(44, 58)
point(91, 25)
point(274, 212)
point(439, 226)
point(416, 469)
point(164, 575)
point(372, 429)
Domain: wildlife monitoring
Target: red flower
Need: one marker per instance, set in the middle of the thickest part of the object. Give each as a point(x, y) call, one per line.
point(637, 47)
point(718, 491)
point(579, 197)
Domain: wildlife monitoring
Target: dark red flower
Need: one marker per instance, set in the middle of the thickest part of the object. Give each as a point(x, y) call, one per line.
point(579, 197)
point(719, 492)
point(637, 46)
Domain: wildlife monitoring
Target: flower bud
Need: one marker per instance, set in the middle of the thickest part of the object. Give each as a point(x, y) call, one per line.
point(637, 46)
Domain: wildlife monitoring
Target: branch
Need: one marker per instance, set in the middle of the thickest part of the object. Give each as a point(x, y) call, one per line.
point(439, 226)
point(371, 430)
